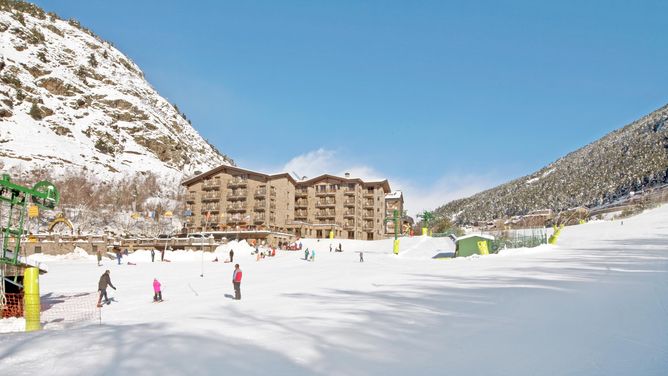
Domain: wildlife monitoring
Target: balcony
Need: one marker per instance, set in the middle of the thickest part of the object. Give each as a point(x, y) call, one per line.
point(272, 218)
point(349, 225)
point(211, 184)
point(191, 197)
point(260, 192)
point(210, 197)
point(237, 207)
point(368, 204)
point(325, 203)
point(349, 202)
point(237, 183)
point(368, 226)
point(272, 205)
point(258, 219)
point(237, 195)
point(272, 193)
point(301, 204)
point(368, 194)
point(348, 213)
point(260, 206)
point(325, 214)
point(368, 214)
point(349, 192)
point(210, 209)
point(326, 192)
point(301, 193)
point(236, 220)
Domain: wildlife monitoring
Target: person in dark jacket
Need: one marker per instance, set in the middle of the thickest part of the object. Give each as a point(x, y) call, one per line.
point(105, 280)
point(236, 281)
point(231, 255)
point(152, 255)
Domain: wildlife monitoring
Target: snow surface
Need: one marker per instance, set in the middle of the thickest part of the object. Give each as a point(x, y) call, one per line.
point(596, 304)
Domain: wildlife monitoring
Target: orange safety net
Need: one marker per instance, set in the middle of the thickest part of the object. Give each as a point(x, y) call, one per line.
point(56, 308)
point(13, 305)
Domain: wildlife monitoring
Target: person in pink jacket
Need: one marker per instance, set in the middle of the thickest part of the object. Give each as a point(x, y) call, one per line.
point(157, 297)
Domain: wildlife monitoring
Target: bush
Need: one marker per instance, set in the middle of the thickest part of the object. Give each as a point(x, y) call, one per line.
point(35, 112)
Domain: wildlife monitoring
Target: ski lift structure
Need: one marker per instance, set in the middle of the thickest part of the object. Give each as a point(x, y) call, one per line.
point(17, 202)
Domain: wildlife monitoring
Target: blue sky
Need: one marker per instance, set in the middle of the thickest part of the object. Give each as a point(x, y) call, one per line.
point(444, 98)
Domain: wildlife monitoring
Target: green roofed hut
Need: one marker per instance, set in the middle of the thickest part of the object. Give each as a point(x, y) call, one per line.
point(474, 244)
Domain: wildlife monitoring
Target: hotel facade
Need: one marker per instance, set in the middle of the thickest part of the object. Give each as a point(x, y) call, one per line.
point(230, 199)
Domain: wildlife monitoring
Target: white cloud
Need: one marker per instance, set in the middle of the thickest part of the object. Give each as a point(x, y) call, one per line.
point(447, 188)
point(417, 197)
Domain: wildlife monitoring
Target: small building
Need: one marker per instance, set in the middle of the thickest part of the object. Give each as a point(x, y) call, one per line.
point(474, 244)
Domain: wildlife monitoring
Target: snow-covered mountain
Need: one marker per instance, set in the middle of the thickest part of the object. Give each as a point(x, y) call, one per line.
point(69, 100)
point(630, 159)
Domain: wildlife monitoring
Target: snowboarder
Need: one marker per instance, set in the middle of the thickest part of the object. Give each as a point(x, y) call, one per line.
point(105, 280)
point(306, 254)
point(231, 255)
point(157, 293)
point(99, 258)
point(152, 255)
point(361, 256)
point(236, 281)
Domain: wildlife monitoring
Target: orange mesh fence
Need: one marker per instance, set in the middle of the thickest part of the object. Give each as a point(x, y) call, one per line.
point(57, 310)
point(13, 306)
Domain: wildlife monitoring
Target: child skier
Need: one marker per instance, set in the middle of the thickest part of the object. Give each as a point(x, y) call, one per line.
point(157, 296)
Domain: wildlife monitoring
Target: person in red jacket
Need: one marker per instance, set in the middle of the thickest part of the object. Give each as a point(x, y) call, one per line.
point(236, 281)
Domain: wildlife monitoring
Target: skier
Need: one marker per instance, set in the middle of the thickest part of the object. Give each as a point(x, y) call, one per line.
point(361, 256)
point(236, 281)
point(231, 255)
point(157, 294)
point(330, 247)
point(118, 255)
point(105, 280)
point(306, 254)
point(313, 254)
point(340, 248)
point(99, 258)
point(152, 255)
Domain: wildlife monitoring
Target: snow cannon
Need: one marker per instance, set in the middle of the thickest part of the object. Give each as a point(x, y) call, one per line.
point(553, 238)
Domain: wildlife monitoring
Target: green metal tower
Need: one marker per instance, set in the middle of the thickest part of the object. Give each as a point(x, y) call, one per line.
point(43, 194)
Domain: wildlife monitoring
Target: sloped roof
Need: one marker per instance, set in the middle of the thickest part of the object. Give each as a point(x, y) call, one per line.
point(484, 236)
point(218, 169)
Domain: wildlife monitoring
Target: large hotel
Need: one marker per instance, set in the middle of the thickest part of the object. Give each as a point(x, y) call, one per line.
point(231, 200)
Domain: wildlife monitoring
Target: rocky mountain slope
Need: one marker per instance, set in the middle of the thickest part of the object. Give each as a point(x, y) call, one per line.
point(632, 158)
point(69, 100)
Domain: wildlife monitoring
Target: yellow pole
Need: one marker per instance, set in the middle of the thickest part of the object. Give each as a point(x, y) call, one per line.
point(31, 299)
point(396, 246)
point(424, 231)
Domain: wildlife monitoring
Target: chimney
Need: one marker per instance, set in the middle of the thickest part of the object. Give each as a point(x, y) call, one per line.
point(347, 175)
